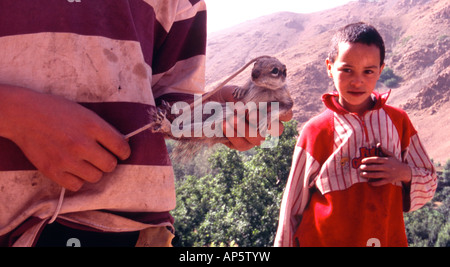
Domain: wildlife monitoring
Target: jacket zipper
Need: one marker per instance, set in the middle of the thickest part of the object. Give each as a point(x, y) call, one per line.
point(363, 123)
point(365, 129)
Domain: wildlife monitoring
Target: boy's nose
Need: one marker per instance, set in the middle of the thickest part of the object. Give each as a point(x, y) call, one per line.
point(357, 81)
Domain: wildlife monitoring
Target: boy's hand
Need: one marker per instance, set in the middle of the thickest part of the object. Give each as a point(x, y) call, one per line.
point(68, 143)
point(385, 170)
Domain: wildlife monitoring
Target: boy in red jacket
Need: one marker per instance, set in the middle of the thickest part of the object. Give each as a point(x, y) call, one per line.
point(358, 165)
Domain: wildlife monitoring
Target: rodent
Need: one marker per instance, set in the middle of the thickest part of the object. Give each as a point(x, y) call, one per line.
point(266, 84)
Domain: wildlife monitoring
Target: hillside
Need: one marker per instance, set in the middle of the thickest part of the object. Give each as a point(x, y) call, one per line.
point(417, 36)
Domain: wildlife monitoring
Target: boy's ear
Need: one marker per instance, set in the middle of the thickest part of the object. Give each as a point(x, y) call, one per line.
point(329, 66)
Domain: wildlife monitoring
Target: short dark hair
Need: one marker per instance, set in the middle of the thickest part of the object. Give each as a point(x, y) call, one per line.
point(357, 33)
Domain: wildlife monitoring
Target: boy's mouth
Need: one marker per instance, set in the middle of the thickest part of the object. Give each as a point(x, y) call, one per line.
point(356, 93)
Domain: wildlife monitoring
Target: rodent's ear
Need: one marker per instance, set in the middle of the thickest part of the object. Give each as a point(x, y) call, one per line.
point(255, 74)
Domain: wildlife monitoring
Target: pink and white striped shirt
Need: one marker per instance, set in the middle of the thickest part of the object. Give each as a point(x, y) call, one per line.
point(117, 58)
point(327, 203)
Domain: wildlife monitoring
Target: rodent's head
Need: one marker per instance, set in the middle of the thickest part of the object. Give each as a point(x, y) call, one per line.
point(270, 73)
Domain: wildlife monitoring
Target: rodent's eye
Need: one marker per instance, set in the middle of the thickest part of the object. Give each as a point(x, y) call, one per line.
point(275, 71)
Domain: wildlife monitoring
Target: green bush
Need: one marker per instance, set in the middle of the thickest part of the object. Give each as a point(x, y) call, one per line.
point(389, 78)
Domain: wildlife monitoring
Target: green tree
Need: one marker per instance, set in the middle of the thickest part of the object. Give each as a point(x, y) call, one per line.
point(446, 173)
point(203, 203)
point(423, 226)
point(262, 188)
point(430, 225)
point(238, 202)
point(443, 239)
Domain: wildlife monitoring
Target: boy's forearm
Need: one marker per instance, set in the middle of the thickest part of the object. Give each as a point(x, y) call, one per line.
point(16, 105)
point(8, 103)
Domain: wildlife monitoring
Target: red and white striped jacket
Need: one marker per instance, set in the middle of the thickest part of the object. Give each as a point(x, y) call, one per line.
point(327, 203)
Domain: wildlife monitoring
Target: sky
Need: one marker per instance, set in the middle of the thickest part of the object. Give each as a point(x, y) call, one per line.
point(223, 14)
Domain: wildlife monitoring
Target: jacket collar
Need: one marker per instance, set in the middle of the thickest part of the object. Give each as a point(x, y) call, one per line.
point(331, 101)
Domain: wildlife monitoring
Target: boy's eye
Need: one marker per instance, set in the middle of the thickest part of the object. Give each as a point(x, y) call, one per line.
point(346, 70)
point(369, 72)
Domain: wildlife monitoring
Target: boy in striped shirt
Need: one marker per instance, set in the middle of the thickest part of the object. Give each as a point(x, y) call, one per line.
point(75, 77)
point(360, 164)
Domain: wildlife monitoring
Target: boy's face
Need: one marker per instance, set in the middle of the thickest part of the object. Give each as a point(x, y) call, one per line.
point(355, 73)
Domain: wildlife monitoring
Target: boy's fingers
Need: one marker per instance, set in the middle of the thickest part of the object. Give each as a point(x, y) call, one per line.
point(94, 153)
point(240, 144)
point(236, 128)
point(373, 174)
point(103, 160)
point(376, 178)
point(114, 142)
point(276, 132)
point(69, 181)
point(384, 151)
point(375, 160)
point(369, 167)
point(379, 160)
point(86, 172)
point(236, 142)
point(287, 116)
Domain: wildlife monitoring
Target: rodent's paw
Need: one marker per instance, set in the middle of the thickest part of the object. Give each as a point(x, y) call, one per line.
point(160, 123)
point(165, 106)
point(239, 93)
point(162, 127)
